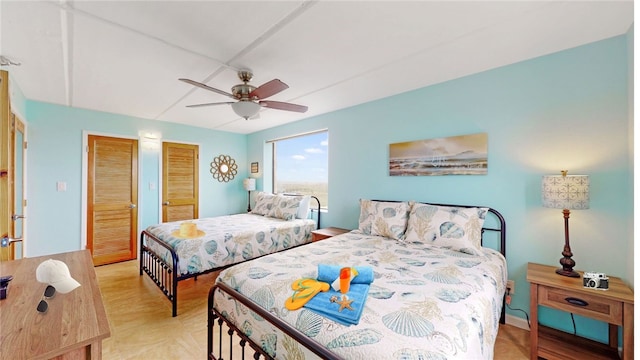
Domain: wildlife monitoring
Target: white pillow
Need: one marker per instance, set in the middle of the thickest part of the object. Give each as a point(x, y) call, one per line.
point(456, 228)
point(383, 218)
point(303, 208)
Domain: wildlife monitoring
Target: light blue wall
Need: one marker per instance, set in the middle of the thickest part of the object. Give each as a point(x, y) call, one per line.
point(567, 110)
point(55, 135)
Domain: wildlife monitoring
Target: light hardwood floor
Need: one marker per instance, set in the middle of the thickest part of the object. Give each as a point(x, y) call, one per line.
point(142, 326)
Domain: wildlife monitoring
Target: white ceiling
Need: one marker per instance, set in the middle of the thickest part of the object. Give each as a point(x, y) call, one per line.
point(126, 57)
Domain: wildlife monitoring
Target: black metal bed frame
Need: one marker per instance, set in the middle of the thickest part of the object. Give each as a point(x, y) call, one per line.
point(165, 274)
point(214, 316)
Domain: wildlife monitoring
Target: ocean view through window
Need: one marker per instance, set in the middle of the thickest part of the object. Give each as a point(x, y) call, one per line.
point(300, 165)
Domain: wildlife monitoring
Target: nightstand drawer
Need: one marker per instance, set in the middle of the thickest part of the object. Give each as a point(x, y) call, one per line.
point(587, 305)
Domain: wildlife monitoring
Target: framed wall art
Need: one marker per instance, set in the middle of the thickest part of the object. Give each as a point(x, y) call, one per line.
point(455, 155)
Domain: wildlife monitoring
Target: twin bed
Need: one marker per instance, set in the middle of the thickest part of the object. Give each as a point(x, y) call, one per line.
point(277, 223)
point(437, 291)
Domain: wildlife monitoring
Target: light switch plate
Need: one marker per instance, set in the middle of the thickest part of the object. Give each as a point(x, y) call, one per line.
point(61, 185)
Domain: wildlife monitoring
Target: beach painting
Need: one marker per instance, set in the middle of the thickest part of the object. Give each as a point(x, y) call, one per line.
point(455, 155)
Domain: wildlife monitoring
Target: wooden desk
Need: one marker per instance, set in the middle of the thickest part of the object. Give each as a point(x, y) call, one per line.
point(75, 323)
point(614, 306)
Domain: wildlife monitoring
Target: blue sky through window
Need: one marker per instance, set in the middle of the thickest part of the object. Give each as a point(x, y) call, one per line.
point(303, 158)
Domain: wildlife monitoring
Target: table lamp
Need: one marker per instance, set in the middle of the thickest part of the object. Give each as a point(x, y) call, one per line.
point(566, 192)
point(249, 185)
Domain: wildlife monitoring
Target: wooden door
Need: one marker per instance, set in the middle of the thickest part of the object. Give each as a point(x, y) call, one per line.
point(11, 177)
point(5, 202)
point(16, 188)
point(112, 191)
point(179, 181)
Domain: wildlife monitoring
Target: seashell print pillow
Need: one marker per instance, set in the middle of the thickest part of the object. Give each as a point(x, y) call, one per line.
point(264, 203)
point(456, 228)
point(382, 218)
point(285, 207)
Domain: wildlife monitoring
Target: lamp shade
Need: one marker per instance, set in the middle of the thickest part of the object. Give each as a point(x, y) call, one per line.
point(249, 184)
point(565, 192)
point(245, 109)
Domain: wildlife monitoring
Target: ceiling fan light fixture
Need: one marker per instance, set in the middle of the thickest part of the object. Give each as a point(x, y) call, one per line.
point(245, 109)
point(249, 99)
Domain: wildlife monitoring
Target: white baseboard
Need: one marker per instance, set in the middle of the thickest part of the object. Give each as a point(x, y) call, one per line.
point(517, 322)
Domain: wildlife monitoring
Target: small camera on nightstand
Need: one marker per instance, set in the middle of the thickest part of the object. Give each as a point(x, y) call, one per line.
point(594, 280)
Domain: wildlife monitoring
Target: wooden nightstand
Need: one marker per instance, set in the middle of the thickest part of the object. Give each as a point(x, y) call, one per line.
point(614, 306)
point(326, 233)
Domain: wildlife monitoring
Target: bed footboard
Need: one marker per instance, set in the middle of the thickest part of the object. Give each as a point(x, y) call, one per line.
point(161, 273)
point(215, 317)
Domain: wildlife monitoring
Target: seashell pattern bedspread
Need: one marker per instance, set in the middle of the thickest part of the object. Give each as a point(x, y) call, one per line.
point(424, 303)
point(229, 239)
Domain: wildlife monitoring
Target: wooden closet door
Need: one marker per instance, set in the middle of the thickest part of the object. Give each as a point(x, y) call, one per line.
point(5, 201)
point(112, 199)
point(179, 181)
point(16, 188)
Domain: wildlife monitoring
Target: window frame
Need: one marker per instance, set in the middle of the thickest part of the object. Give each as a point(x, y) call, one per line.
point(274, 162)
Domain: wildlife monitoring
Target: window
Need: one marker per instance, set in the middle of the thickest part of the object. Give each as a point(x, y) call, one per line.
point(300, 165)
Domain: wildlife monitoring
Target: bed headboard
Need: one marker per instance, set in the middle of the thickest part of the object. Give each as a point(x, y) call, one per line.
point(318, 210)
point(493, 224)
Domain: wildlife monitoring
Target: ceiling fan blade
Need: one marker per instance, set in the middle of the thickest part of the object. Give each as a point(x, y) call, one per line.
point(206, 87)
point(210, 104)
point(283, 106)
point(268, 89)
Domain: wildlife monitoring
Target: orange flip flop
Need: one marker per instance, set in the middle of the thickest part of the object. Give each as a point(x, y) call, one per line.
point(304, 289)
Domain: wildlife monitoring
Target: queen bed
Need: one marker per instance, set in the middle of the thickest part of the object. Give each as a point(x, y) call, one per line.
point(437, 291)
point(170, 253)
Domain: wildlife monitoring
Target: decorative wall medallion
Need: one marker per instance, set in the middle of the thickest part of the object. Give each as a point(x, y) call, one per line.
point(224, 168)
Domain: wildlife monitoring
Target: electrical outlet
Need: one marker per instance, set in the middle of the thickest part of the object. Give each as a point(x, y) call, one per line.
point(511, 285)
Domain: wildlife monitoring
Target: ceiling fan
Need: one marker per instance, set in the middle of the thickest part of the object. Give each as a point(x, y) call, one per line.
point(250, 98)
